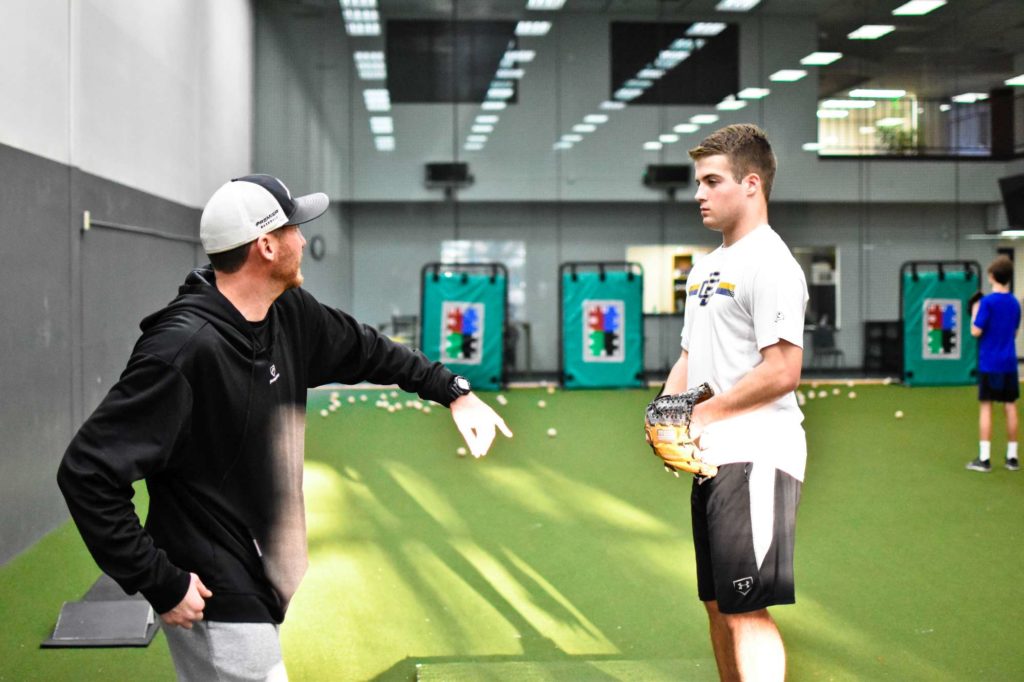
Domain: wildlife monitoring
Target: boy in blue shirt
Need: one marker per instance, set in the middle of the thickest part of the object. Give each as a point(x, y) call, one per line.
point(994, 322)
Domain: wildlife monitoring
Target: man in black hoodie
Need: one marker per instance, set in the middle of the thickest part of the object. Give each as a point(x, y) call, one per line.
point(210, 412)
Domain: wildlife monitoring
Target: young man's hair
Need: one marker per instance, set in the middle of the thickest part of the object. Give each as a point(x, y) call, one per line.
point(748, 150)
point(229, 261)
point(1001, 270)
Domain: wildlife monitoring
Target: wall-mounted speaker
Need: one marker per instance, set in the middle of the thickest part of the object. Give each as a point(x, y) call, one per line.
point(667, 176)
point(447, 175)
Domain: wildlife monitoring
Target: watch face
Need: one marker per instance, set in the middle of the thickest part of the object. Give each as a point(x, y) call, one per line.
point(462, 383)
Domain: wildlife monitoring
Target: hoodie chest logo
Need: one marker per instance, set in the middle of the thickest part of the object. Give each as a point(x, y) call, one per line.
point(274, 376)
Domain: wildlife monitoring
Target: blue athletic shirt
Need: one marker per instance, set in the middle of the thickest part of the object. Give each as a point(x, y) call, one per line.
point(998, 318)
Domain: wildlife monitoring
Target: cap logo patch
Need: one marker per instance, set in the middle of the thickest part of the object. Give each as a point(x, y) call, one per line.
point(264, 221)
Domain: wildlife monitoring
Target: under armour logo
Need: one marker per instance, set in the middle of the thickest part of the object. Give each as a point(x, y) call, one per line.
point(779, 317)
point(743, 585)
point(707, 287)
point(274, 376)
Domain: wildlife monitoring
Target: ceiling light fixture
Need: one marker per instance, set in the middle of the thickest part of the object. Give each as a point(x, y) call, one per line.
point(916, 8)
point(876, 93)
point(545, 5)
point(382, 125)
point(811, 146)
point(970, 97)
point(706, 28)
point(668, 138)
point(650, 74)
point(1016, 81)
point(384, 143)
point(848, 104)
point(730, 103)
point(584, 128)
point(596, 119)
point(753, 93)
point(482, 128)
point(533, 28)
point(493, 105)
point(737, 5)
point(521, 56)
point(609, 105)
point(686, 128)
point(821, 58)
point(787, 75)
point(704, 119)
point(377, 99)
point(486, 118)
point(871, 32)
point(652, 146)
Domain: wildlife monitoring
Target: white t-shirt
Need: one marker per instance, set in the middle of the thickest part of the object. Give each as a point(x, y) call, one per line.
point(741, 299)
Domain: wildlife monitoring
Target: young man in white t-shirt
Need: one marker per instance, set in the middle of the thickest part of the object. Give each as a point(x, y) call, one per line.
point(743, 334)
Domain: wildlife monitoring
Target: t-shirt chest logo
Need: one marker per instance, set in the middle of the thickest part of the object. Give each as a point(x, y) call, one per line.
point(274, 376)
point(712, 285)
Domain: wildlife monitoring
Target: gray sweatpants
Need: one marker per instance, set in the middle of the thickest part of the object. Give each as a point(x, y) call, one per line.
point(215, 651)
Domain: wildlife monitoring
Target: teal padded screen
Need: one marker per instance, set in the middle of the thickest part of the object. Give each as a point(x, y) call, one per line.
point(938, 349)
point(602, 330)
point(463, 324)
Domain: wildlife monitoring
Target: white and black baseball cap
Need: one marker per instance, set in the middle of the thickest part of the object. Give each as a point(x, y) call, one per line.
point(244, 208)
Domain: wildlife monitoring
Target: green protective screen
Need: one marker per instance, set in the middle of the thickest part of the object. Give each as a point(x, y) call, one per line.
point(602, 330)
point(938, 349)
point(464, 323)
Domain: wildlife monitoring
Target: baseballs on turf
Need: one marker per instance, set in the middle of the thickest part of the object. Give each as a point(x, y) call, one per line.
point(541, 403)
point(552, 432)
point(899, 414)
point(461, 452)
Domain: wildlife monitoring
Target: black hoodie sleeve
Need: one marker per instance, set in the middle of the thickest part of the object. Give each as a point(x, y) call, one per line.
point(346, 351)
point(131, 434)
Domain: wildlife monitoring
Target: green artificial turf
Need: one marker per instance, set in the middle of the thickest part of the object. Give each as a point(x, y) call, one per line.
point(570, 557)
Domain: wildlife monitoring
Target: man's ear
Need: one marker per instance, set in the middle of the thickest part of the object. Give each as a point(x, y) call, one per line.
point(265, 247)
point(752, 184)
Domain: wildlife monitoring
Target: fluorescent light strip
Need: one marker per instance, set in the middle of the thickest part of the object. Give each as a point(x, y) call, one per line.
point(686, 128)
point(486, 118)
point(533, 28)
point(493, 106)
point(821, 58)
point(482, 128)
point(970, 97)
point(521, 56)
point(703, 119)
point(572, 137)
point(473, 147)
point(668, 138)
point(584, 128)
point(545, 5)
point(510, 73)
point(706, 28)
point(595, 118)
point(384, 143)
point(876, 93)
point(848, 104)
point(753, 93)
point(833, 113)
point(686, 44)
point(377, 100)
point(382, 125)
point(639, 83)
point(1016, 81)
point(652, 146)
point(367, 15)
point(787, 75)
point(945, 107)
point(737, 5)
point(476, 138)
point(811, 146)
point(370, 4)
point(500, 93)
point(609, 105)
point(650, 74)
point(354, 28)
point(730, 103)
point(916, 8)
point(561, 145)
point(871, 32)
point(627, 94)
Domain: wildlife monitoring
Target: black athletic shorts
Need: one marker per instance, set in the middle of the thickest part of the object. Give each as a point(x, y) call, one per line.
point(999, 387)
point(744, 531)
